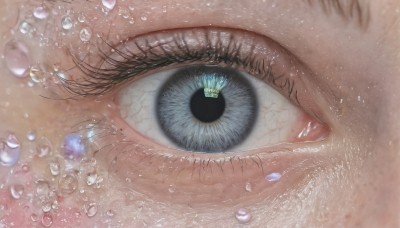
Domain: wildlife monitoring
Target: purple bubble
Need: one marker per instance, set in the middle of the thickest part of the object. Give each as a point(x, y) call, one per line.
point(74, 147)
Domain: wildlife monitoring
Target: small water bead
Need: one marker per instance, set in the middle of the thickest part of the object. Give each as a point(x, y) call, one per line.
point(91, 179)
point(109, 4)
point(68, 184)
point(62, 75)
point(67, 23)
point(8, 156)
point(26, 28)
point(37, 74)
point(34, 217)
point(243, 215)
point(31, 136)
point(16, 191)
point(85, 34)
point(91, 210)
point(41, 12)
point(249, 187)
point(47, 220)
point(110, 213)
point(46, 207)
point(54, 168)
point(143, 18)
point(44, 147)
point(81, 17)
point(16, 56)
point(12, 141)
point(273, 177)
point(74, 147)
point(42, 188)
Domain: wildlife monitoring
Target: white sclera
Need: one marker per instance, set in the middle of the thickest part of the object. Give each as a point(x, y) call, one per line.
point(276, 118)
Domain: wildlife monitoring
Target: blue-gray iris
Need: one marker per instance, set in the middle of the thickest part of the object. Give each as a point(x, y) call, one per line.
point(197, 122)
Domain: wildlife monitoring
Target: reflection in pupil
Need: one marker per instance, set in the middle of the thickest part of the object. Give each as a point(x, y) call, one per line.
point(207, 109)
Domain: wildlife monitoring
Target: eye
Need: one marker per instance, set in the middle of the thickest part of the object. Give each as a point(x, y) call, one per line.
point(208, 109)
point(207, 90)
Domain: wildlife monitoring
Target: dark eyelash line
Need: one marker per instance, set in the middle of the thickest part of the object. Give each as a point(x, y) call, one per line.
point(98, 80)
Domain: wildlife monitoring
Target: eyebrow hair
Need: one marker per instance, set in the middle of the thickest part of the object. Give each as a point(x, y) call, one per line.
point(349, 10)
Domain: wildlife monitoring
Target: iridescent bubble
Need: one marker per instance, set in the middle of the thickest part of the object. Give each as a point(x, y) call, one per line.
point(273, 177)
point(16, 56)
point(243, 215)
point(41, 12)
point(74, 147)
point(8, 156)
point(16, 191)
point(109, 4)
point(67, 23)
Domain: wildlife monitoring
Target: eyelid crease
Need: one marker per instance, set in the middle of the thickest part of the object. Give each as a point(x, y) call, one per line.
point(169, 48)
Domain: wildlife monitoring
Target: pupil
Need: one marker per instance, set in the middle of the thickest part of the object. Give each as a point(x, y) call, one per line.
point(207, 109)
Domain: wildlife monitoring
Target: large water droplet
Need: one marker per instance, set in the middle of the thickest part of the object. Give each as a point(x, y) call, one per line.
point(8, 156)
point(85, 34)
point(68, 184)
point(47, 220)
point(109, 4)
point(41, 12)
point(91, 209)
point(273, 177)
point(16, 56)
point(67, 23)
point(243, 215)
point(16, 191)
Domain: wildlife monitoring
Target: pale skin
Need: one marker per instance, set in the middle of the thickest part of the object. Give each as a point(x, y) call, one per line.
point(348, 179)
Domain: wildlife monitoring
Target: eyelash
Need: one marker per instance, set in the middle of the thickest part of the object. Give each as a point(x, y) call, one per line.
point(98, 80)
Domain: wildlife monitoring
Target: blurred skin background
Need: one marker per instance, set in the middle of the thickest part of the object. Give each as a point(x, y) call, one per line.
point(81, 146)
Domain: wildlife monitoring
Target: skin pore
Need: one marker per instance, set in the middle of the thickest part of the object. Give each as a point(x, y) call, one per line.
point(342, 57)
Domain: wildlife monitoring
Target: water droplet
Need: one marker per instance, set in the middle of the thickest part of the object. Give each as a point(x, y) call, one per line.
point(91, 179)
point(12, 141)
point(54, 168)
point(124, 13)
point(8, 156)
point(62, 75)
point(16, 191)
point(68, 184)
point(34, 217)
point(31, 136)
point(42, 188)
point(143, 18)
point(67, 23)
point(46, 207)
point(47, 220)
point(37, 74)
point(43, 147)
point(74, 146)
point(85, 34)
point(249, 187)
point(16, 56)
point(26, 28)
point(273, 177)
point(110, 213)
point(243, 215)
point(81, 17)
point(91, 209)
point(171, 189)
point(41, 12)
point(109, 4)
point(131, 21)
